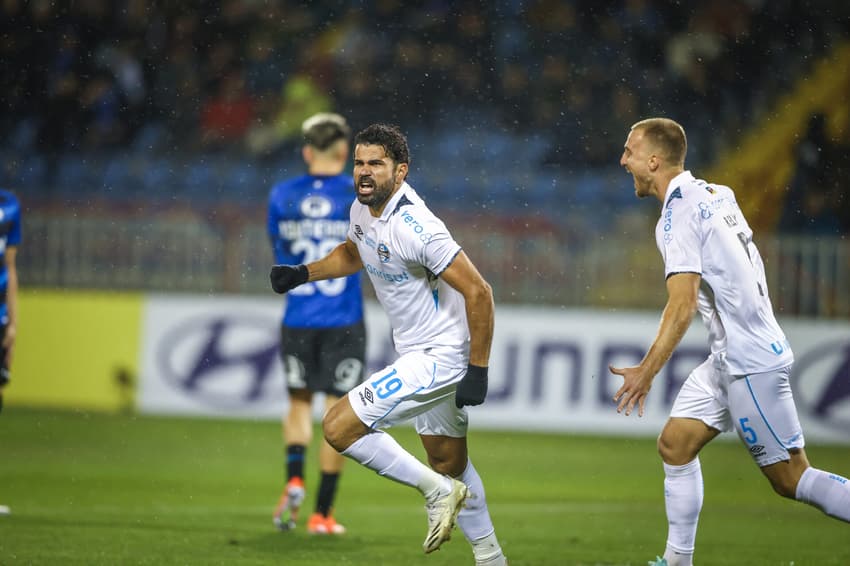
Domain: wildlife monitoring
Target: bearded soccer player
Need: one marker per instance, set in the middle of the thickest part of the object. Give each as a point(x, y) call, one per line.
point(441, 313)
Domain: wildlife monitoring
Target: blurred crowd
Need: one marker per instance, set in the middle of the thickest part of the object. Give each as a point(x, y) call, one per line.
point(550, 82)
point(817, 203)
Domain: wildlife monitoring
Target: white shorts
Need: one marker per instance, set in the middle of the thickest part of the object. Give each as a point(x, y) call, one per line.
point(414, 387)
point(759, 406)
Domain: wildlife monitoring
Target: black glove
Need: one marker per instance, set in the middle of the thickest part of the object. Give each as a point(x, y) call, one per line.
point(472, 388)
point(287, 277)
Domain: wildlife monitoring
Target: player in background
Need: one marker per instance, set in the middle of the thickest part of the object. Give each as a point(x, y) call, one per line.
point(10, 239)
point(441, 313)
point(323, 337)
point(713, 266)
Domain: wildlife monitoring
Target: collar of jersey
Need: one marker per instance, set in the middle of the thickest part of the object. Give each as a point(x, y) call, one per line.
point(391, 204)
point(677, 181)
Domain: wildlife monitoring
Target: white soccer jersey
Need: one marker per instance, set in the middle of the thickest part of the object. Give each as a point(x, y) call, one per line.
point(404, 251)
point(702, 230)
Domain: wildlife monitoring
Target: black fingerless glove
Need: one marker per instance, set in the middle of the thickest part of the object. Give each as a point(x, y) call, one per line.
point(287, 277)
point(472, 388)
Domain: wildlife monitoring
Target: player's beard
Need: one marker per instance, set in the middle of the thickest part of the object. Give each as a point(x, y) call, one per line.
point(380, 194)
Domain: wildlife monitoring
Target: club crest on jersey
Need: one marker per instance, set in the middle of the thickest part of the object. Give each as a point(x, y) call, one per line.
point(316, 206)
point(383, 253)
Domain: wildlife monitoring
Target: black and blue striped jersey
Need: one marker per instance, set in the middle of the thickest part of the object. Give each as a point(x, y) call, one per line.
point(307, 218)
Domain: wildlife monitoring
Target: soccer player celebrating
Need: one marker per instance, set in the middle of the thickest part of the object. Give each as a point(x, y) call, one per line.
point(323, 338)
point(713, 266)
point(441, 313)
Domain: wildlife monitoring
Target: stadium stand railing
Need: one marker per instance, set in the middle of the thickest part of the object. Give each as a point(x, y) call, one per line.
point(528, 261)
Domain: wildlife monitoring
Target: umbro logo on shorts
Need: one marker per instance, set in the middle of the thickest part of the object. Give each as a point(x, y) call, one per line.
point(367, 396)
point(757, 450)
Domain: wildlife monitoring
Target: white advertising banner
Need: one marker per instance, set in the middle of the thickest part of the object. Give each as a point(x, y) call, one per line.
point(218, 356)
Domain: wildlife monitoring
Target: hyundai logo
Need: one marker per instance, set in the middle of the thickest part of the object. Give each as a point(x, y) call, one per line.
point(822, 383)
point(224, 361)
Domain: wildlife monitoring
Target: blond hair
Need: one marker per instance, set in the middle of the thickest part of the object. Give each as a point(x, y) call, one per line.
point(666, 135)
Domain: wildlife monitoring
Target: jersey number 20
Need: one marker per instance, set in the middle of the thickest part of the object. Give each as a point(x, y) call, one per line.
point(315, 250)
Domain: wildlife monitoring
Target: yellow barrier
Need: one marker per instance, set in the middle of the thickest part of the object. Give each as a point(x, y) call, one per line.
point(75, 349)
point(761, 165)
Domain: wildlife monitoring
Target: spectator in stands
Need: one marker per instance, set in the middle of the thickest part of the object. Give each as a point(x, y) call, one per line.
point(103, 124)
point(301, 98)
point(812, 204)
point(226, 117)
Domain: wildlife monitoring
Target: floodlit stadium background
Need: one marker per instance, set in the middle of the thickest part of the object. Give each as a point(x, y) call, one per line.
point(142, 139)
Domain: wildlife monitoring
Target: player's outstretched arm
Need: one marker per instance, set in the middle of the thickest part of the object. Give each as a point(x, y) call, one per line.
point(478, 296)
point(342, 261)
point(682, 290)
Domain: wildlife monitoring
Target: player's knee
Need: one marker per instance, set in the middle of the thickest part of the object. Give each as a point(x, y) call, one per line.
point(784, 486)
point(332, 429)
point(341, 426)
point(672, 453)
point(449, 466)
point(665, 449)
point(784, 477)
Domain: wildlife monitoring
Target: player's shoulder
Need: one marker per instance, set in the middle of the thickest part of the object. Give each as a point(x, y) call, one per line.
point(693, 192)
point(412, 221)
point(284, 187)
point(9, 203)
point(8, 197)
point(412, 209)
point(343, 180)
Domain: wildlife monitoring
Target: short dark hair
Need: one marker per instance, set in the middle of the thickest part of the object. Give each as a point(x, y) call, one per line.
point(323, 129)
point(667, 135)
point(388, 136)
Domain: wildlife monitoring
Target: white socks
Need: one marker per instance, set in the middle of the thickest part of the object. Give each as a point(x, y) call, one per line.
point(683, 493)
point(828, 492)
point(380, 452)
point(474, 519)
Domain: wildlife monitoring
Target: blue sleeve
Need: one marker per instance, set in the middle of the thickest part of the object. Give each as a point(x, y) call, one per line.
point(15, 232)
point(272, 220)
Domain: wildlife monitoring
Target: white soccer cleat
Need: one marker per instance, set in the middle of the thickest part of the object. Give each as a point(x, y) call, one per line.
point(442, 514)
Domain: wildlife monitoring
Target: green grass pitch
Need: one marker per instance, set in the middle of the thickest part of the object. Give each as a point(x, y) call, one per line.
point(88, 489)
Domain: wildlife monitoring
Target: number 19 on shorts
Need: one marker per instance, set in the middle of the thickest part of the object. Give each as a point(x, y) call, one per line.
point(387, 384)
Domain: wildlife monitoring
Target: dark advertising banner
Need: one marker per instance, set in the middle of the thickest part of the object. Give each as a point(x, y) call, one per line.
point(218, 356)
